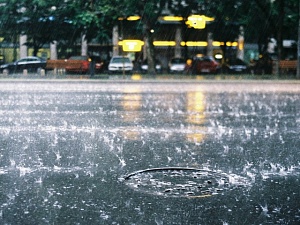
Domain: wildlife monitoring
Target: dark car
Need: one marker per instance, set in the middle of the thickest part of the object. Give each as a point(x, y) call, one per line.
point(144, 66)
point(98, 63)
point(235, 65)
point(31, 64)
point(264, 65)
point(205, 64)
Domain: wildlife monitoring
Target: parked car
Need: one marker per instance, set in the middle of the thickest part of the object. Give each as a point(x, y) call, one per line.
point(78, 64)
point(120, 64)
point(98, 63)
point(31, 64)
point(205, 64)
point(264, 65)
point(235, 65)
point(177, 65)
point(144, 66)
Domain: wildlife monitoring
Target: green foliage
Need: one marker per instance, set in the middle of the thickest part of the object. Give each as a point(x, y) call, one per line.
point(66, 20)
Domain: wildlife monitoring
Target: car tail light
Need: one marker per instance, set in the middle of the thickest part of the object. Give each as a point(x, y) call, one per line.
point(85, 64)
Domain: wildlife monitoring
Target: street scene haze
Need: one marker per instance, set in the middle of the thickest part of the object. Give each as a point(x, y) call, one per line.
point(149, 112)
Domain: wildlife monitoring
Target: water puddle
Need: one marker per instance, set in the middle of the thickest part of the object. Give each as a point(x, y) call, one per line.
point(184, 182)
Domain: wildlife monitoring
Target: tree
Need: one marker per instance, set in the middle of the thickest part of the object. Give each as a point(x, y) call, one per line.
point(44, 22)
point(10, 13)
point(108, 12)
point(265, 19)
point(35, 18)
point(298, 47)
point(65, 21)
point(47, 21)
point(149, 12)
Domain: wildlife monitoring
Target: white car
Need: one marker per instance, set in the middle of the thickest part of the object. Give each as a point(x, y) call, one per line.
point(177, 65)
point(120, 64)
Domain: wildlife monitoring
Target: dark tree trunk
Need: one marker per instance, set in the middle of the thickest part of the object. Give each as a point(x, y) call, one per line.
point(149, 48)
point(35, 50)
point(280, 29)
point(298, 52)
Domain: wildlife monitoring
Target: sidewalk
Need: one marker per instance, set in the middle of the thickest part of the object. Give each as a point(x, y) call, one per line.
point(137, 77)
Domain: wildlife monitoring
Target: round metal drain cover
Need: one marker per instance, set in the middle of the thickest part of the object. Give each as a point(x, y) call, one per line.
point(183, 182)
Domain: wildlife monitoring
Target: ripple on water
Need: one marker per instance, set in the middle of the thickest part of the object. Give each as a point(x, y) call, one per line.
point(184, 182)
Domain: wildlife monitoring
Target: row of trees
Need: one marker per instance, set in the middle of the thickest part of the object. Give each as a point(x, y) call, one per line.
point(65, 21)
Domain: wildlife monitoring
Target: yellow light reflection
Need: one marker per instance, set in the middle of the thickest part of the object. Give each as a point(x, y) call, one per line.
point(241, 45)
point(136, 45)
point(198, 21)
point(132, 100)
point(130, 133)
point(164, 43)
point(131, 104)
point(196, 43)
point(216, 43)
point(209, 19)
point(131, 45)
point(133, 18)
point(219, 56)
point(130, 18)
point(198, 134)
point(172, 18)
point(136, 77)
point(195, 116)
point(232, 44)
point(200, 77)
point(195, 107)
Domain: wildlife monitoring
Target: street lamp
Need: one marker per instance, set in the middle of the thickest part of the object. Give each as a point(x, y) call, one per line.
point(198, 21)
point(131, 45)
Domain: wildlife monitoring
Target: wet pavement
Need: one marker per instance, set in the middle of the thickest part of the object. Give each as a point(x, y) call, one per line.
point(149, 152)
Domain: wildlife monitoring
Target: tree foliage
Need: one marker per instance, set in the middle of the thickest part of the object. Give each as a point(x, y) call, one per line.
point(65, 21)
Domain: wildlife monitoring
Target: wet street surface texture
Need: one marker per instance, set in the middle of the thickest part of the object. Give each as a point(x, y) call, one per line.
point(113, 152)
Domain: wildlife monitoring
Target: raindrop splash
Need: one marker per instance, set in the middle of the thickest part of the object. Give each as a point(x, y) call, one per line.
point(184, 182)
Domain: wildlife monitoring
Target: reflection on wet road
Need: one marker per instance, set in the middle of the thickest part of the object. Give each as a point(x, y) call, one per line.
point(151, 152)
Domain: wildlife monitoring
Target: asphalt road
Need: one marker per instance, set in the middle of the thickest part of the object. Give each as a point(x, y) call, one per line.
point(149, 151)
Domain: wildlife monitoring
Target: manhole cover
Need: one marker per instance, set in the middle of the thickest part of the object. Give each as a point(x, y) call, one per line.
point(183, 182)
